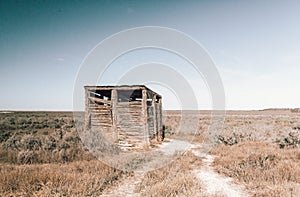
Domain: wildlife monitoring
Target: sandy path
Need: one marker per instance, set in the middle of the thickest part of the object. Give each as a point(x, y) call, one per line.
point(125, 186)
point(214, 182)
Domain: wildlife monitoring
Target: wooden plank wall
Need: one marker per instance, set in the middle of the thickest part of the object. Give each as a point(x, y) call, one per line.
point(129, 124)
point(101, 120)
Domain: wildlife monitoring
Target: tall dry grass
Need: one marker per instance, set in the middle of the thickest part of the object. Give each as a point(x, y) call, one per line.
point(264, 168)
point(81, 178)
point(175, 179)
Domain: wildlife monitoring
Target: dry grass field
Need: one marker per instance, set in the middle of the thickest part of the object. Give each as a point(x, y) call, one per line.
point(79, 178)
point(264, 168)
point(259, 149)
point(41, 154)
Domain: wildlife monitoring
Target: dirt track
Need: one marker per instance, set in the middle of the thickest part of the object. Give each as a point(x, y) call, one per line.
point(214, 183)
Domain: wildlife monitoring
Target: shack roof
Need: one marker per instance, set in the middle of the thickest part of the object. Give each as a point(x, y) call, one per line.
point(121, 87)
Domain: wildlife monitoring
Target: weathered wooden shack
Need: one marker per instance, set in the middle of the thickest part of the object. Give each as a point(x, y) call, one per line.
point(129, 116)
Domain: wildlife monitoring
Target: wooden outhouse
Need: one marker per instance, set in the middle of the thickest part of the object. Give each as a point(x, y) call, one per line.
point(129, 116)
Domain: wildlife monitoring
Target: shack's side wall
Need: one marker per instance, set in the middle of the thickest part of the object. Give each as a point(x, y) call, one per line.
point(154, 120)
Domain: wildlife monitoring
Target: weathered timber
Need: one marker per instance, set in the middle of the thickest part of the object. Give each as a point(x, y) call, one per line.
point(144, 113)
point(98, 100)
point(114, 101)
point(128, 115)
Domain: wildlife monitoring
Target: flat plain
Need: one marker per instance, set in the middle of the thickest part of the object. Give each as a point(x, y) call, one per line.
point(42, 154)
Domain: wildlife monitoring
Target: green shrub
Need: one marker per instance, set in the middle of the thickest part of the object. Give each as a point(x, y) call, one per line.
point(4, 135)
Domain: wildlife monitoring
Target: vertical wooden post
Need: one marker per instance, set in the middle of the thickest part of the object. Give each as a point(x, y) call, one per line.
point(114, 100)
point(145, 116)
point(154, 116)
point(87, 110)
point(159, 119)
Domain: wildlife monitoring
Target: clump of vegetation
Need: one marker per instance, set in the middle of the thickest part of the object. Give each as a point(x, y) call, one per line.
point(4, 135)
point(291, 140)
point(233, 138)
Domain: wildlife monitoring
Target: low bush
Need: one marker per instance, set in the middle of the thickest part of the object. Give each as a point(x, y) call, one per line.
point(291, 140)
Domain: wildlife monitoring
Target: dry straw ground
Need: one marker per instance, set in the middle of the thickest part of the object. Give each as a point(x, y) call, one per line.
point(41, 154)
point(80, 178)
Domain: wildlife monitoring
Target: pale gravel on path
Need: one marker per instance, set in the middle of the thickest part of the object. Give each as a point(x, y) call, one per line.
point(216, 184)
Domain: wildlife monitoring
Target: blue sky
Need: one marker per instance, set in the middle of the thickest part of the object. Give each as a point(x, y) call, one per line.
point(254, 44)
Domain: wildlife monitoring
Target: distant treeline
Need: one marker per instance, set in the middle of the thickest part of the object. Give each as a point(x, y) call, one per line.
point(295, 110)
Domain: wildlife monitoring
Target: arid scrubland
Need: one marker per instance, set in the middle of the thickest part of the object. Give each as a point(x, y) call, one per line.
point(259, 149)
point(264, 168)
point(41, 154)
